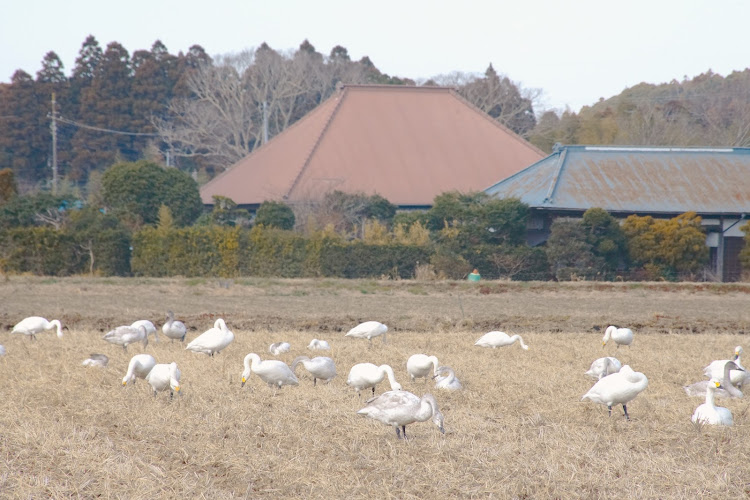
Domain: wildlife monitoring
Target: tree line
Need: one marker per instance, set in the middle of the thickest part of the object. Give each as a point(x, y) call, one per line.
point(189, 110)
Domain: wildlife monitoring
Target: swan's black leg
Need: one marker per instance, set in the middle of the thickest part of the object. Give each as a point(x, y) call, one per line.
point(315, 381)
point(625, 408)
point(373, 390)
point(610, 410)
point(398, 432)
point(403, 428)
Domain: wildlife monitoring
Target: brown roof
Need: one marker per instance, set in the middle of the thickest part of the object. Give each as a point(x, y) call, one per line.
point(407, 144)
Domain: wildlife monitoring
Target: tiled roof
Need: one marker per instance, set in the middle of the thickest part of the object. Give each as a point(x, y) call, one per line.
point(405, 143)
point(640, 180)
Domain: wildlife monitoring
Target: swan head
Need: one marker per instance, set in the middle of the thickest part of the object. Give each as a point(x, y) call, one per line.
point(396, 386)
point(438, 419)
point(737, 351)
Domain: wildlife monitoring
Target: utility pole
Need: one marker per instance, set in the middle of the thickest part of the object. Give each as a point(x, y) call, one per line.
point(53, 127)
point(265, 122)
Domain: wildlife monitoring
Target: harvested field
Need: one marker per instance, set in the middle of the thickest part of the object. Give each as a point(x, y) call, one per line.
point(517, 430)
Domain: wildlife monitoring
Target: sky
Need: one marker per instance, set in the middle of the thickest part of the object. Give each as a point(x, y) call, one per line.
point(574, 52)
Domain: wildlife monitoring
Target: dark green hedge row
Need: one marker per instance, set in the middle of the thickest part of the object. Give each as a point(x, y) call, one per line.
point(50, 252)
point(232, 252)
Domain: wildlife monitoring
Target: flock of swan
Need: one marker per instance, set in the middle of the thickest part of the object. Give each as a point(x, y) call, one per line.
point(616, 384)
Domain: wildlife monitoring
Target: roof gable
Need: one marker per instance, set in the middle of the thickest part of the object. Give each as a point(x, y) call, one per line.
point(406, 143)
point(635, 179)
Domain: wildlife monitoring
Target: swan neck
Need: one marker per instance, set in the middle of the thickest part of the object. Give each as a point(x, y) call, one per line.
point(710, 394)
point(389, 373)
point(427, 409)
point(58, 325)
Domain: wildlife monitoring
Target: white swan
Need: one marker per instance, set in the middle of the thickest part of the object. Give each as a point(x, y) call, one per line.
point(213, 340)
point(149, 326)
point(368, 330)
point(36, 324)
point(621, 336)
point(98, 360)
point(2, 350)
point(728, 389)
point(449, 381)
point(708, 412)
point(163, 377)
point(499, 339)
point(618, 388)
point(126, 335)
point(320, 367)
point(364, 375)
point(602, 367)
point(319, 344)
point(173, 328)
point(271, 371)
point(139, 367)
point(401, 408)
point(279, 348)
point(716, 369)
point(422, 365)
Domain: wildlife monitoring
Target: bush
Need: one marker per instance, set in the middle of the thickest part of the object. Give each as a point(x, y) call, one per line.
point(275, 214)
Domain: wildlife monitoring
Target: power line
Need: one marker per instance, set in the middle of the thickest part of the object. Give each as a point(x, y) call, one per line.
point(100, 129)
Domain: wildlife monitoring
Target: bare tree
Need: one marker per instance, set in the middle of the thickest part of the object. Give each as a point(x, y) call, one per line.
point(237, 96)
point(506, 101)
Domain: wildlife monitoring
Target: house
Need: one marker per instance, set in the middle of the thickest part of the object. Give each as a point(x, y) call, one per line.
point(662, 182)
point(408, 144)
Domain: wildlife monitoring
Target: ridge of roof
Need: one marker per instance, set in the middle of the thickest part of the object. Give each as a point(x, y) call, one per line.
point(556, 177)
point(487, 117)
point(655, 149)
point(385, 86)
point(298, 123)
point(341, 95)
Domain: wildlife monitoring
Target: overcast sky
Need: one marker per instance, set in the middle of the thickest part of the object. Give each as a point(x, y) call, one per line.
point(575, 51)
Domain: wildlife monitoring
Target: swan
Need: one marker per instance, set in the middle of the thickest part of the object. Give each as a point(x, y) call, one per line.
point(449, 381)
point(279, 347)
point(126, 335)
point(716, 369)
point(163, 377)
point(421, 365)
point(364, 375)
point(602, 367)
point(319, 344)
point(139, 367)
point(728, 389)
point(213, 340)
point(36, 324)
point(271, 371)
point(149, 326)
point(320, 367)
point(708, 412)
point(173, 328)
point(401, 408)
point(499, 339)
point(621, 336)
point(618, 388)
point(98, 360)
point(2, 350)
point(368, 330)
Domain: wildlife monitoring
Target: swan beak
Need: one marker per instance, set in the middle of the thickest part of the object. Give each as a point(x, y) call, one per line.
point(177, 389)
point(717, 384)
point(442, 430)
point(604, 344)
point(124, 383)
point(243, 381)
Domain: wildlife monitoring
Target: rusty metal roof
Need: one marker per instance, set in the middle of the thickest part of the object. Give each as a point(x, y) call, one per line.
point(405, 143)
point(645, 180)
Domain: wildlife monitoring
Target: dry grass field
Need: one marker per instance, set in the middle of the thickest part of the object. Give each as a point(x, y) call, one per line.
point(518, 430)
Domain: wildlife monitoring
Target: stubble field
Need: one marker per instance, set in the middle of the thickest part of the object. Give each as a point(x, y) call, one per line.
point(517, 430)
